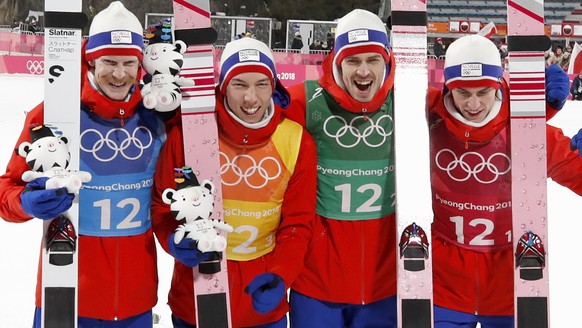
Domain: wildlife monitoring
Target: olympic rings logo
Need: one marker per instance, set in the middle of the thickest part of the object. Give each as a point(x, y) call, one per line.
point(254, 169)
point(341, 135)
point(112, 145)
point(475, 171)
point(35, 66)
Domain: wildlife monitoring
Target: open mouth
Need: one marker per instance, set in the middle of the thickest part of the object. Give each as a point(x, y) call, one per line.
point(250, 111)
point(363, 85)
point(473, 112)
point(117, 84)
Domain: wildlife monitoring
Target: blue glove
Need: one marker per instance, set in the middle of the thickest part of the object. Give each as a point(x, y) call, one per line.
point(42, 203)
point(557, 86)
point(266, 290)
point(186, 251)
point(576, 142)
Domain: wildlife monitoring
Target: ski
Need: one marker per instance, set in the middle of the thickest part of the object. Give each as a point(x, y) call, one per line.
point(63, 23)
point(193, 26)
point(526, 44)
point(413, 205)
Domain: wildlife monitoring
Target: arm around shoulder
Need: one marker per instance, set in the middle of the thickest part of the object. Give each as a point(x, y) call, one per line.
point(297, 105)
point(298, 213)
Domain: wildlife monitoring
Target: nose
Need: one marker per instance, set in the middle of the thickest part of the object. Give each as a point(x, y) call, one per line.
point(250, 96)
point(473, 102)
point(119, 72)
point(363, 69)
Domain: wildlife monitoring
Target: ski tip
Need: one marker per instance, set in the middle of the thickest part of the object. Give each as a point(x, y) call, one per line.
point(72, 20)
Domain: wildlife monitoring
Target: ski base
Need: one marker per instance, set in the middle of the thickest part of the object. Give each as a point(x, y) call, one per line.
point(69, 20)
point(206, 35)
point(212, 310)
point(532, 312)
point(416, 313)
point(59, 306)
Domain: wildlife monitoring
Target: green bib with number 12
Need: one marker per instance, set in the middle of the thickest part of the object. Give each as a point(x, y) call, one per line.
point(355, 157)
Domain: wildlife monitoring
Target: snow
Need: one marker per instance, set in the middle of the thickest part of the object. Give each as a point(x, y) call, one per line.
point(20, 243)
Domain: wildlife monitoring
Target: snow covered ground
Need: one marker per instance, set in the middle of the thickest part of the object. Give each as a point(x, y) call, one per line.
point(20, 243)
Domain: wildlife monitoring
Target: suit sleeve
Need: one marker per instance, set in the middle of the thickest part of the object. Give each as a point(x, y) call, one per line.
point(298, 214)
point(11, 184)
point(564, 164)
point(297, 105)
point(171, 156)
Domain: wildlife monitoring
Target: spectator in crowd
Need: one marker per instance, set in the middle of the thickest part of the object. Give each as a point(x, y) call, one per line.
point(330, 40)
point(325, 46)
point(297, 41)
point(576, 87)
point(32, 24)
point(556, 57)
point(502, 51)
point(565, 63)
point(316, 45)
point(439, 48)
point(568, 48)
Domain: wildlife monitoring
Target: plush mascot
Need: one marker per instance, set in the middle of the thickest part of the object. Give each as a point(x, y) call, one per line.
point(163, 62)
point(193, 203)
point(49, 156)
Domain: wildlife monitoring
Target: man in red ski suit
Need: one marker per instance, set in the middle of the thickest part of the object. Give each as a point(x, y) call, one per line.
point(471, 183)
point(120, 142)
point(349, 279)
point(253, 137)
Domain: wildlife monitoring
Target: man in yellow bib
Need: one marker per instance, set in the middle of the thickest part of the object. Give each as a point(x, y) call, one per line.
point(268, 173)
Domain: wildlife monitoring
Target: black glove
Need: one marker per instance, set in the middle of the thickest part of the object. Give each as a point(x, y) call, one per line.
point(45, 203)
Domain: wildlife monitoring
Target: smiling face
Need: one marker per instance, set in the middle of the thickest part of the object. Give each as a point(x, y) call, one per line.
point(248, 96)
point(474, 103)
point(363, 74)
point(115, 75)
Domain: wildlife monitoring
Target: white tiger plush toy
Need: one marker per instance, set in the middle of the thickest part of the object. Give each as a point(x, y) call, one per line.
point(194, 203)
point(163, 62)
point(49, 156)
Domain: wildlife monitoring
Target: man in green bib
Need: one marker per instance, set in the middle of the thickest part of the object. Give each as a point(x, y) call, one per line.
point(350, 271)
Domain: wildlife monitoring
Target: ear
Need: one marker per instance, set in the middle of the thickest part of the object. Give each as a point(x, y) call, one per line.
point(209, 185)
point(168, 196)
point(180, 46)
point(23, 149)
point(65, 140)
point(91, 62)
